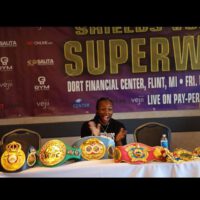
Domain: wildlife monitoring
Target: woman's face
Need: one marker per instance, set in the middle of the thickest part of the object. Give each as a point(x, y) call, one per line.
point(105, 111)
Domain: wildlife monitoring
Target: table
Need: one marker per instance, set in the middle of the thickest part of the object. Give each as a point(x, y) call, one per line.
point(107, 168)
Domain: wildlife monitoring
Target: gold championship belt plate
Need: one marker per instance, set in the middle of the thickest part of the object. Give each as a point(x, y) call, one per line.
point(95, 147)
point(13, 157)
point(52, 153)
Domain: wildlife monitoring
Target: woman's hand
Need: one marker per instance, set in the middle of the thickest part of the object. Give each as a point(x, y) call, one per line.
point(118, 139)
point(94, 129)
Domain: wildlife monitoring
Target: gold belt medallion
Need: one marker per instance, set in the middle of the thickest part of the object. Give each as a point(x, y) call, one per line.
point(93, 149)
point(137, 153)
point(184, 154)
point(13, 158)
point(52, 152)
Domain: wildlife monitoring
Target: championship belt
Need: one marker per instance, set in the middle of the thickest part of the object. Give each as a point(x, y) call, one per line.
point(196, 151)
point(184, 154)
point(95, 147)
point(180, 155)
point(55, 153)
point(17, 156)
point(137, 153)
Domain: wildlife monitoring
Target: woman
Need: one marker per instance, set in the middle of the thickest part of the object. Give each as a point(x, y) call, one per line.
point(104, 125)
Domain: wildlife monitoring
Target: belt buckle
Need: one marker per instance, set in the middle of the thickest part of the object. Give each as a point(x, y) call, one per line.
point(93, 149)
point(52, 153)
point(13, 158)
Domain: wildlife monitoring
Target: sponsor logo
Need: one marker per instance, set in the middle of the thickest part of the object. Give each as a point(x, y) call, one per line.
point(7, 84)
point(4, 60)
point(43, 104)
point(39, 43)
point(137, 100)
point(4, 64)
point(6, 68)
point(42, 86)
point(79, 103)
point(40, 62)
point(10, 43)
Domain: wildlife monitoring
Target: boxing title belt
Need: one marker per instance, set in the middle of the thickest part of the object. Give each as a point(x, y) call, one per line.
point(196, 151)
point(95, 147)
point(17, 156)
point(55, 153)
point(181, 155)
point(136, 153)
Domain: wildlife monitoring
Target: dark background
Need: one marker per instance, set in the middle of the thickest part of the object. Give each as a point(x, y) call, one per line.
point(72, 129)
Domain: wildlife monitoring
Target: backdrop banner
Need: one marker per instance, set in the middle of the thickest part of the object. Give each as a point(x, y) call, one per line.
point(47, 71)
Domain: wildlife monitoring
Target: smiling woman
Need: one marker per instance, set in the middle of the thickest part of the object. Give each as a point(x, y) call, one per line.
point(103, 124)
